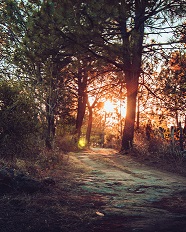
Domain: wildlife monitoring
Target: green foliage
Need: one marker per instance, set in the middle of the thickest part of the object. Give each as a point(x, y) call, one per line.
point(44, 37)
point(19, 125)
point(67, 143)
point(173, 83)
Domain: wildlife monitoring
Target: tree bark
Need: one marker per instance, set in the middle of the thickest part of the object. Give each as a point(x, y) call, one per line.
point(89, 127)
point(138, 114)
point(132, 57)
point(50, 124)
point(128, 132)
point(82, 100)
point(52, 101)
point(80, 114)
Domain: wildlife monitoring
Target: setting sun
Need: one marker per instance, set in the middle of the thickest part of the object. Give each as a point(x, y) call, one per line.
point(110, 107)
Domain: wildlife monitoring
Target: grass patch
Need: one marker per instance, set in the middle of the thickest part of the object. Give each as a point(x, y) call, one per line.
point(62, 207)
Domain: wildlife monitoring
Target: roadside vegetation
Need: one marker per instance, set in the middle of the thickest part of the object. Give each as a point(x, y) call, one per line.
point(81, 74)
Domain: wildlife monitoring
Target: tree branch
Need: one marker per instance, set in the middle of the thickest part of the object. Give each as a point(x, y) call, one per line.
point(162, 44)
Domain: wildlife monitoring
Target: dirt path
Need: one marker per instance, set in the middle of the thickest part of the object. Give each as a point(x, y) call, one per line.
point(133, 196)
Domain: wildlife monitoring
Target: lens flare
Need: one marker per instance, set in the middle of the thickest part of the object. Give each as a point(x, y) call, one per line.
point(82, 143)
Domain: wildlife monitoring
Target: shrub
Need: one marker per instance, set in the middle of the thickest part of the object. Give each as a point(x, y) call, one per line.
point(157, 149)
point(67, 143)
point(19, 125)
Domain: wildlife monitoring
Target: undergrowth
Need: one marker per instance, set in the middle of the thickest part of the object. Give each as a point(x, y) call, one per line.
point(159, 152)
point(61, 208)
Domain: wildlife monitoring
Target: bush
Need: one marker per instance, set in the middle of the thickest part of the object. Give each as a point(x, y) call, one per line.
point(67, 143)
point(19, 125)
point(158, 150)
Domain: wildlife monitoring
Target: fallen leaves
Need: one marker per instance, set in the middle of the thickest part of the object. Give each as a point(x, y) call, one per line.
point(100, 214)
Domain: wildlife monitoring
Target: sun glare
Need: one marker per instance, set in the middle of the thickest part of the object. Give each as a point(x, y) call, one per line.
point(109, 107)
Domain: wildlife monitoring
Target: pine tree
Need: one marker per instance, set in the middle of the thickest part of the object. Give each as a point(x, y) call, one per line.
point(118, 33)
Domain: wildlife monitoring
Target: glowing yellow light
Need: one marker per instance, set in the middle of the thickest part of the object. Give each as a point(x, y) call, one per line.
point(82, 143)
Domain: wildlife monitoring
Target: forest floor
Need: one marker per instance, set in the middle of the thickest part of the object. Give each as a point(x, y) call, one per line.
point(100, 190)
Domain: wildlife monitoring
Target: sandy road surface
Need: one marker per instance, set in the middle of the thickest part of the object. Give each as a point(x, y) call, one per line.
point(134, 197)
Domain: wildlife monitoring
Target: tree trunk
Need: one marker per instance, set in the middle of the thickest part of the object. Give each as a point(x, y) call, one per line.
point(132, 57)
point(138, 114)
point(89, 127)
point(80, 115)
point(128, 132)
point(181, 137)
point(82, 100)
point(51, 103)
point(50, 132)
point(177, 120)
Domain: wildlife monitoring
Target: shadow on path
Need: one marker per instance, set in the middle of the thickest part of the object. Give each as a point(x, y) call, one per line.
point(134, 197)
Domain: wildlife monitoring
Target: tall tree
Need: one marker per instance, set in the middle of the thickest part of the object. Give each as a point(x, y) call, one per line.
point(19, 124)
point(173, 85)
point(115, 32)
point(119, 34)
point(39, 51)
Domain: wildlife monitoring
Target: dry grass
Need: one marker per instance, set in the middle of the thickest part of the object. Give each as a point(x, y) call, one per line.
point(44, 212)
point(62, 207)
point(159, 153)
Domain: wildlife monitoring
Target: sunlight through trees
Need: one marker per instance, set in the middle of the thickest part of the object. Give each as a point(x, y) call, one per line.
point(96, 70)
